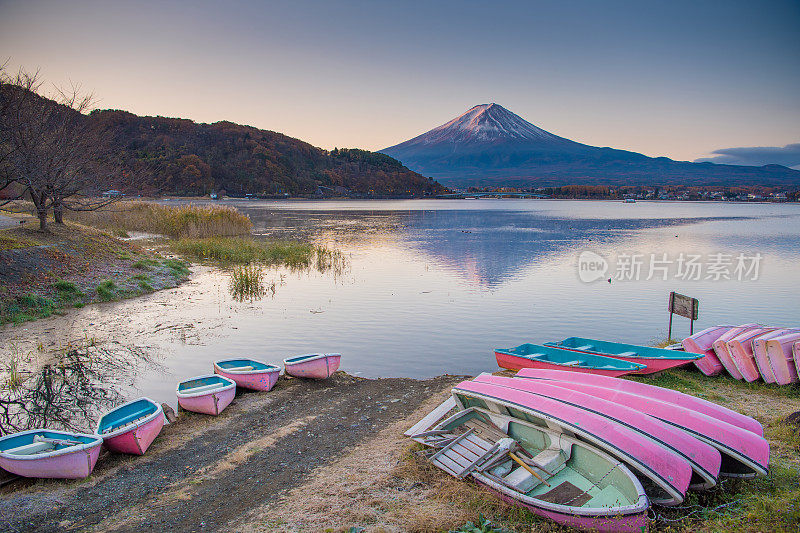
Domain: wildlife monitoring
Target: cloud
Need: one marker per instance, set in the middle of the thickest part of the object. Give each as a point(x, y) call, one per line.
point(788, 156)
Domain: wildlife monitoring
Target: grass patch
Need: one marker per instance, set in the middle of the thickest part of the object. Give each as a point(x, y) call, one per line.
point(25, 308)
point(177, 221)
point(145, 286)
point(119, 232)
point(176, 267)
point(12, 375)
point(107, 290)
point(145, 264)
point(7, 242)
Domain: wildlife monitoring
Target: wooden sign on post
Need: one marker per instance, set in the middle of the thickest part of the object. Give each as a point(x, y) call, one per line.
point(682, 305)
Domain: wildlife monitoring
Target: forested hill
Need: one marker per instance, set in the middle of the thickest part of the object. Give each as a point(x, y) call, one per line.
point(181, 157)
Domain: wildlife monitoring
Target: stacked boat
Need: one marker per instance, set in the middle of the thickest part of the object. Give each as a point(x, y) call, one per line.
point(588, 450)
point(132, 427)
point(749, 352)
point(593, 356)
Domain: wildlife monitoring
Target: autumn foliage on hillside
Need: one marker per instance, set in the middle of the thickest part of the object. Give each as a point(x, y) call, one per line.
point(181, 157)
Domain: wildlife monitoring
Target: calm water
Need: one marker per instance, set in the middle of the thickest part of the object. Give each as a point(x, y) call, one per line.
point(433, 286)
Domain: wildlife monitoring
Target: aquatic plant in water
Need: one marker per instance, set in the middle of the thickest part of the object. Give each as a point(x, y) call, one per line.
point(247, 283)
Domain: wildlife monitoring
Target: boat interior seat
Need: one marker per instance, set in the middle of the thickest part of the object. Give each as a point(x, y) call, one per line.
point(131, 418)
point(238, 368)
point(202, 388)
point(552, 461)
point(627, 354)
point(572, 363)
point(30, 449)
point(584, 347)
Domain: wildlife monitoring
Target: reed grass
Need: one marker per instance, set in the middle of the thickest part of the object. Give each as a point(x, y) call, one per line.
point(247, 282)
point(176, 221)
point(232, 250)
point(12, 378)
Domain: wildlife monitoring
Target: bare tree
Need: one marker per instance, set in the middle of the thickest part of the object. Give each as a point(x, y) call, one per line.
point(55, 154)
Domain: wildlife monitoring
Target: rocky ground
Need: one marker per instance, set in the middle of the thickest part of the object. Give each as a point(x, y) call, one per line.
point(243, 469)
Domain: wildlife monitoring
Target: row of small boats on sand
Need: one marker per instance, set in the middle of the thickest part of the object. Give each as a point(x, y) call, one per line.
point(588, 450)
point(749, 352)
point(594, 356)
point(132, 427)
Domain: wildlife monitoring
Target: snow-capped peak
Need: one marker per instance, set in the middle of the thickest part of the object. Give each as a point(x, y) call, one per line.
point(486, 123)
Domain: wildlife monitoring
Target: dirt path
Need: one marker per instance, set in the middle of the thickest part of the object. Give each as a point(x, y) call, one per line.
point(207, 473)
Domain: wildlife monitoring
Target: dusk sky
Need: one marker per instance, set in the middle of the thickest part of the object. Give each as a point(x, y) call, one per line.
point(678, 78)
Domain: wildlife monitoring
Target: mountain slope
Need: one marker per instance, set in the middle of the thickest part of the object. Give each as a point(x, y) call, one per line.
point(178, 156)
point(489, 145)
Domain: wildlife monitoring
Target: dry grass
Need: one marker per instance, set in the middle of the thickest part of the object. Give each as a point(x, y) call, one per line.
point(177, 221)
point(383, 486)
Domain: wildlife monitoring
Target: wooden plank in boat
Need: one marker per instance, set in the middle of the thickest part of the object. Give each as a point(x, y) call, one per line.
point(202, 388)
point(431, 418)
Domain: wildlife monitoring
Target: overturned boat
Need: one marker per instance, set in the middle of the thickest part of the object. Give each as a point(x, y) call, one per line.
point(704, 459)
point(657, 393)
point(48, 453)
point(701, 343)
point(131, 427)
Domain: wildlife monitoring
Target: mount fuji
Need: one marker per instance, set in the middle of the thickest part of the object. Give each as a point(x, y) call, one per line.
point(490, 145)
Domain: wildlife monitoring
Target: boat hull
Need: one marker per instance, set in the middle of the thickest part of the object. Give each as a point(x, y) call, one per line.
point(208, 404)
point(781, 360)
point(516, 362)
point(740, 349)
point(668, 471)
point(744, 453)
point(259, 380)
point(704, 459)
point(701, 342)
point(77, 464)
point(720, 347)
point(658, 393)
point(137, 440)
point(316, 368)
point(610, 523)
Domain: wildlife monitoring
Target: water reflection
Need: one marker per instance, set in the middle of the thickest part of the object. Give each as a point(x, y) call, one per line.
point(70, 392)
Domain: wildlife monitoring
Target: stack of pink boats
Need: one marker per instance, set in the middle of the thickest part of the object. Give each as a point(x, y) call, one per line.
point(748, 352)
point(132, 427)
point(586, 450)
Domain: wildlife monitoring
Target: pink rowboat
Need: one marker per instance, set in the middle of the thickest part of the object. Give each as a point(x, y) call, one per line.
point(781, 361)
point(312, 365)
point(704, 459)
point(701, 342)
point(760, 353)
point(744, 454)
point(131, 427)
point(720, 347)
point(206, 394)
point(669, 474)
point(740, 349)
point(47, 453)
point(657, 393)
point(248, 373)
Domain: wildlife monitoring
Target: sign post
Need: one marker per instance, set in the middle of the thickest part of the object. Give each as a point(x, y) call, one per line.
point(682, 305)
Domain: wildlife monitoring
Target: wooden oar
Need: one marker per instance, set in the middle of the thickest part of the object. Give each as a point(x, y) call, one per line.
point(524, 465)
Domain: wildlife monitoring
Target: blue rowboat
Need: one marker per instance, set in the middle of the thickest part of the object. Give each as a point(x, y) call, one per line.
point(536, 356)
point(654, 359)
point(132, 427)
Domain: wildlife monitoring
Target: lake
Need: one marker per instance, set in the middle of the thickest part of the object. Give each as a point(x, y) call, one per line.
point(433, 286)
